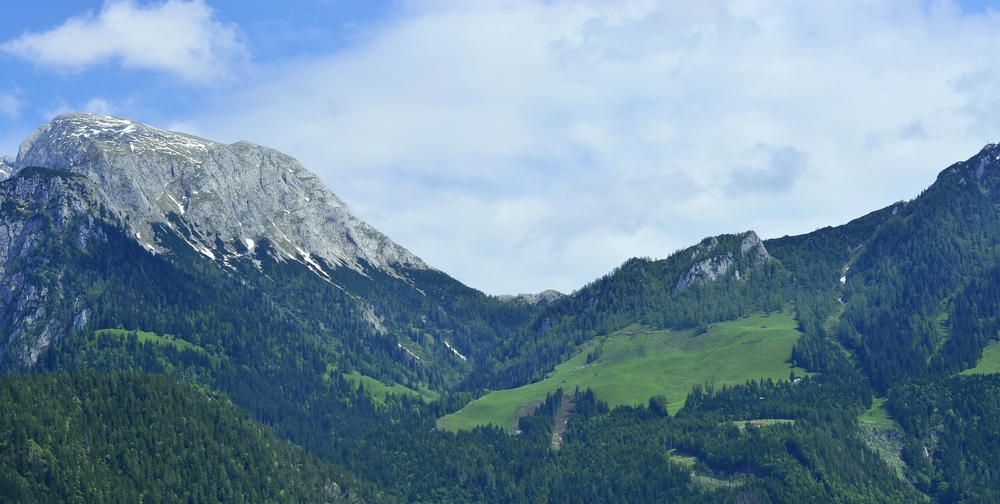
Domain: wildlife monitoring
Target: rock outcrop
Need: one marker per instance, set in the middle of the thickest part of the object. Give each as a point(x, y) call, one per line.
point(713, 263)
point(33, 208)
point(706, 270)
point(6, 166)
point(543, 298)
point(753, 246)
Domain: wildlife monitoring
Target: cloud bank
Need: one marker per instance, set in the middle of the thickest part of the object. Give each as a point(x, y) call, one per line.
point(522, 145)
point(525, 145)
point(177, 36)
point(775, 172)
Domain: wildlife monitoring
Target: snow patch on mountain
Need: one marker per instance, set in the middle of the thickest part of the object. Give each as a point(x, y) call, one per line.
point(455, 351)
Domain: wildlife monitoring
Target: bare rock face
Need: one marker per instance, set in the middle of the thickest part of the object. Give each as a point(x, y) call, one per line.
point(982, 169)
point(706, 270)
point(6, 166)
point(239, 192)
point(543, 298)
point(713, 263)
point(32, 208)
point(753, 246)
point(705, 247)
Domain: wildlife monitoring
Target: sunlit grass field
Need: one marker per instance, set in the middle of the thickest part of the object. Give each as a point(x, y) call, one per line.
point(637, 363)
point(990, 362)
point(379, 390)
point(160, 339)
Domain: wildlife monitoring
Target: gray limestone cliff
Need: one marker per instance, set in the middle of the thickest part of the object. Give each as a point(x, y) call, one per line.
point(711, 263)
point(753, 246)
point(231, 193)
point(543, 298)
point(6, 166)
point(33, 208)
point(983, 169)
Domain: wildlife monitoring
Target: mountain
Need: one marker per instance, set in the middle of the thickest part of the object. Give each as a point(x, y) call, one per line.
point(148, 278)
point(254, 213)
point(146, 174)
point(259, 283)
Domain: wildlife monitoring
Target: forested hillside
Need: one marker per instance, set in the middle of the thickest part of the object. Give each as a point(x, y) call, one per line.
point(952, 431)
point(128, 437)
point(183, 367)
point(902, 286)
point(722, 278)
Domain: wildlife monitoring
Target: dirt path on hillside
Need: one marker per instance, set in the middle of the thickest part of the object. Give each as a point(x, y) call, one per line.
point(562, 419)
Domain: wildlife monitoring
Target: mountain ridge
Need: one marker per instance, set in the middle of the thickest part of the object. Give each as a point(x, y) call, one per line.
point(148, 173)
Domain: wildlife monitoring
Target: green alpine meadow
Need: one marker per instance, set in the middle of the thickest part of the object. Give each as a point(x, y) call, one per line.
point(183, 320)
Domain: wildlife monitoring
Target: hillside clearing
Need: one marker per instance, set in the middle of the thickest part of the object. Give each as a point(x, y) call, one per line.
point(160, 339)
point(990, 362)
point(637, 363)
point(379, 390)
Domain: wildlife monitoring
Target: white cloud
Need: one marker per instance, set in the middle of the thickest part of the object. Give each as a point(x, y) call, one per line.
point(10, 105)
point(177, 36)
point(100, 106)
point(525, 145)
point(96, 105)
point(771, 170)
point(184, 127)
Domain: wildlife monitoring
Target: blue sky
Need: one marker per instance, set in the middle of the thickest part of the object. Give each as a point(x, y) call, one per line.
point(523, 145)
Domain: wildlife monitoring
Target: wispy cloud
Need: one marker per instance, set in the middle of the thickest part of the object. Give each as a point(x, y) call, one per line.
point(95, 105)
point(184, 127)
point(100, 106)
point(177, 36)
point(10, 105)
point(773, 170)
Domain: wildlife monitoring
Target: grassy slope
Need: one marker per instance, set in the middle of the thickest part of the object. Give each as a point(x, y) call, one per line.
point(882, 434)
point(160, 339)
point(378, 390)
point(637, 364)
point(990, 362)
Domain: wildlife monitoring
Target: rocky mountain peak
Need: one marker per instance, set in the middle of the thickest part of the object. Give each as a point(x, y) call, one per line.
point(983, 169)
point(982, 162)
point(753, 246)
point(712, 261)
point(236, 193)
